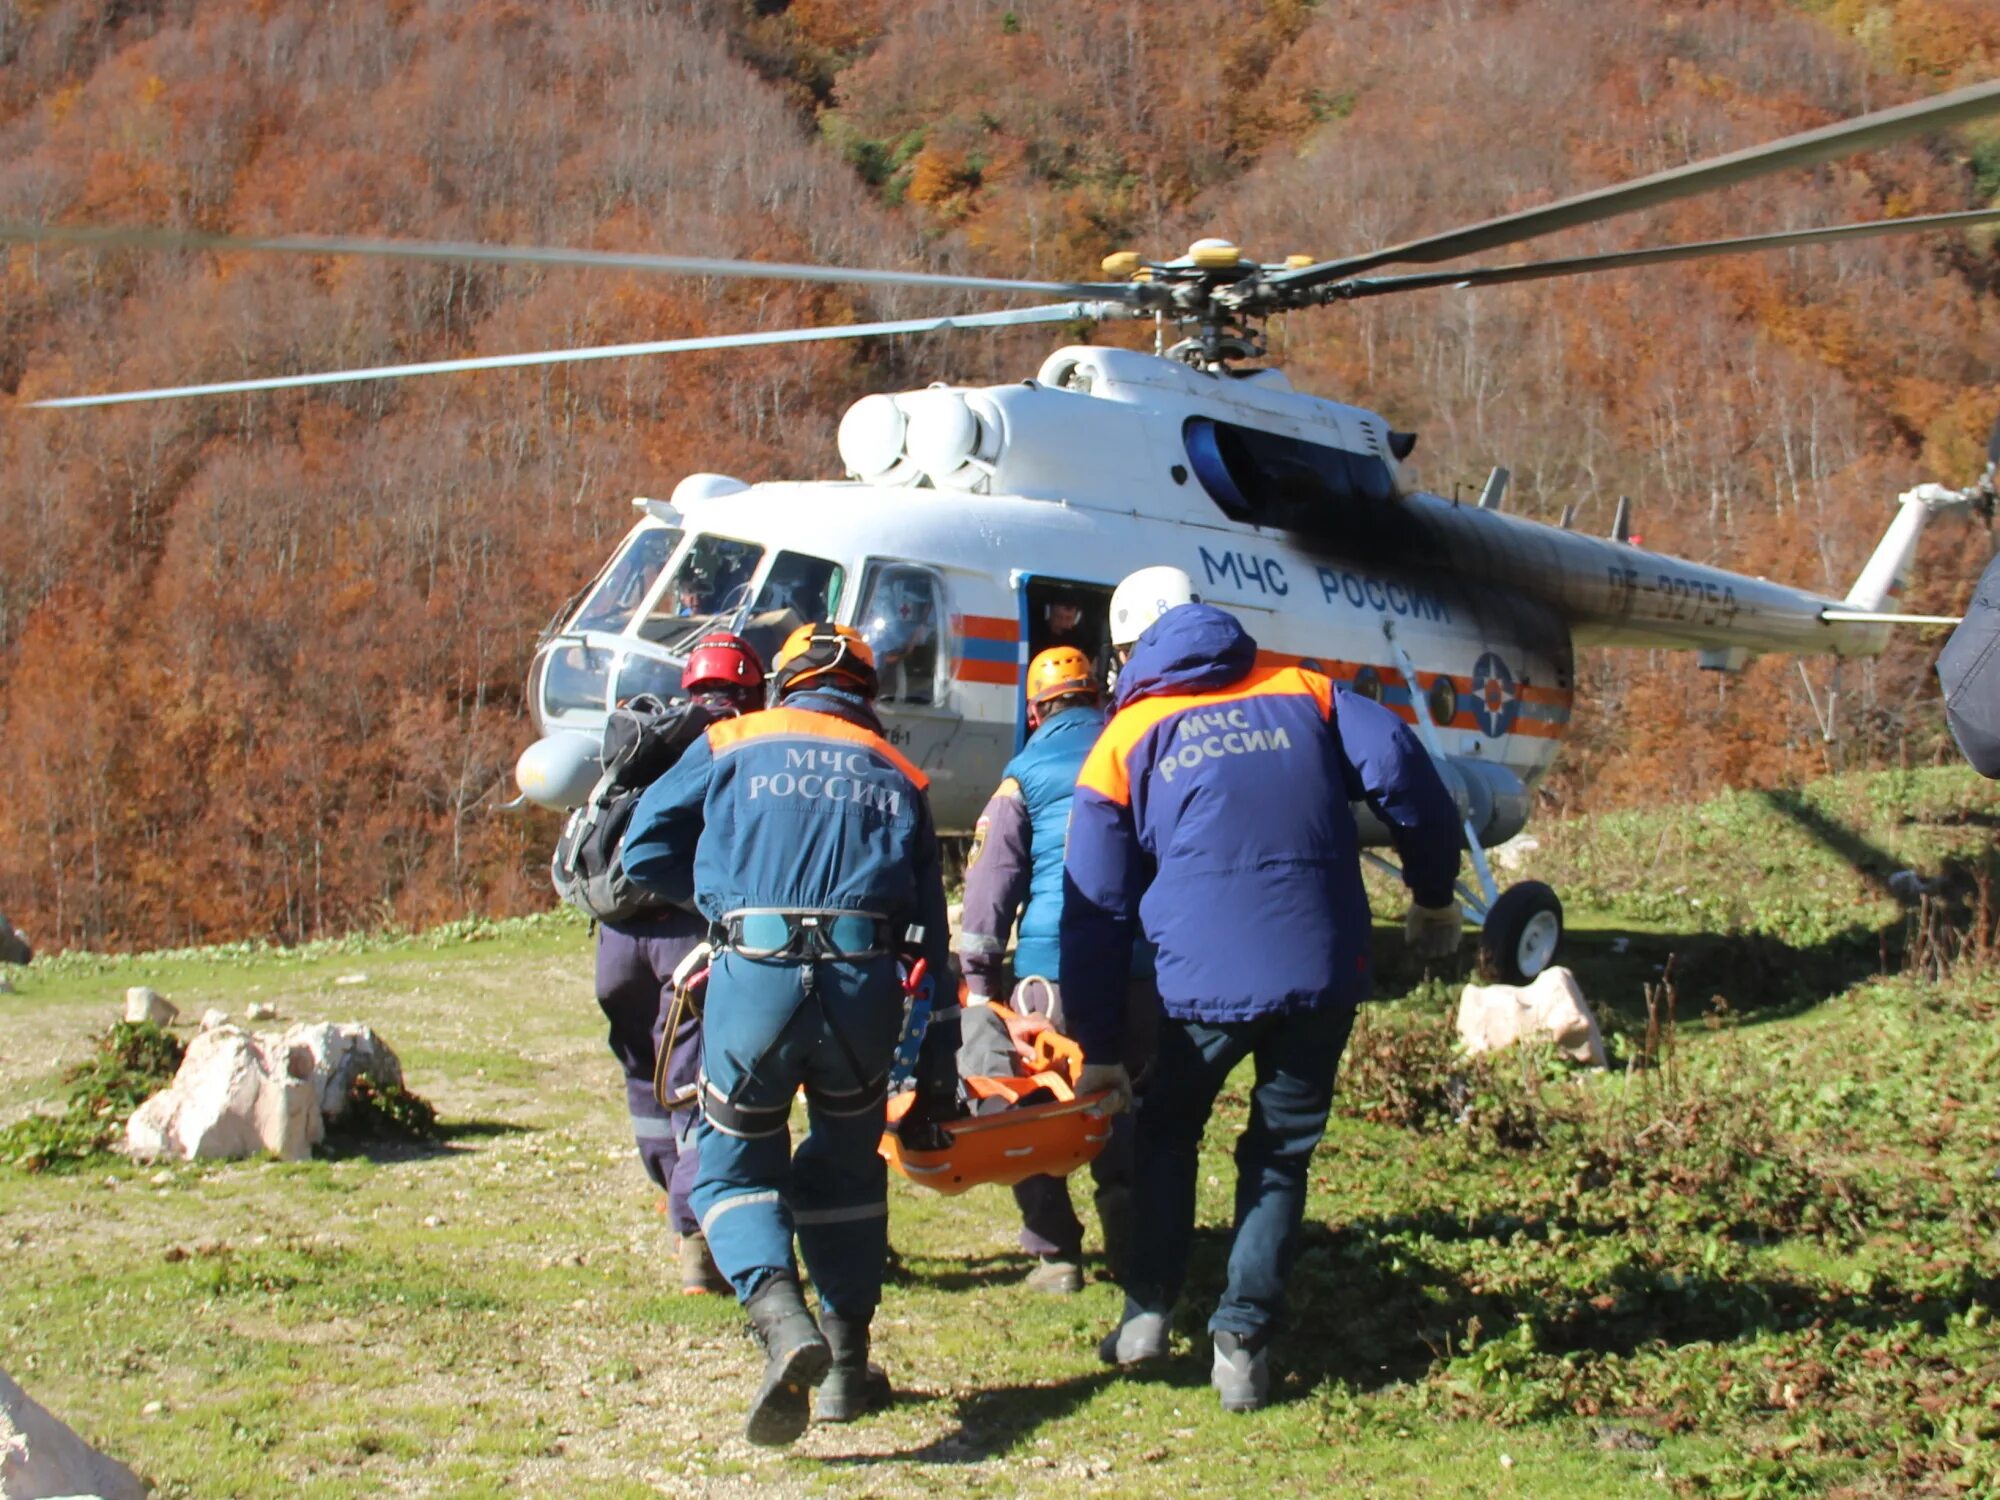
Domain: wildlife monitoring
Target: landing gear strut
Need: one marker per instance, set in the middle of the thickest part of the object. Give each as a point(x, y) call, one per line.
point(1520, 928)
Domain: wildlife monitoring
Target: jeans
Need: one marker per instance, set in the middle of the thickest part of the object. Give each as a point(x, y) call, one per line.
point(1296, 1055)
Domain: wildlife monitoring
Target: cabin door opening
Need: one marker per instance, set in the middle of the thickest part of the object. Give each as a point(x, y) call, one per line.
point(1064, 612)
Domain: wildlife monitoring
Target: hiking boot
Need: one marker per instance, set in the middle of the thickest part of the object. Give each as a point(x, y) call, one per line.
point(699, 1275)
point(1241, 1374)
point(795, 1357)
point(1056, 1276)
point(853, 1387)
point(1140, 1337)
point(1114, 1216)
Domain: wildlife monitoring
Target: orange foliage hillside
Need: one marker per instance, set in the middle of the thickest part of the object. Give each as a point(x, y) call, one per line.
point(261, 658)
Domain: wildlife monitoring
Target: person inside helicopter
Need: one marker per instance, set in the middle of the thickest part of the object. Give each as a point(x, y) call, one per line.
point(711, 579)
point(899, 624)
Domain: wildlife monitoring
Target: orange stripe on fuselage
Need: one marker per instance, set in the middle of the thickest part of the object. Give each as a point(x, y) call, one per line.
point(971, 669)
point(987, 627)
point(1106, 771)
point(804, 723)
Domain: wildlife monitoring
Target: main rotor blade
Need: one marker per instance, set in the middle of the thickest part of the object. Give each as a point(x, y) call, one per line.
point(116, 237)
point(1802, 150)
point(1065, 312)
point(1622, 260)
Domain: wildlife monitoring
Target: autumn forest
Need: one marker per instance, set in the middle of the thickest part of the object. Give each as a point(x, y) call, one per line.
point(262, 657)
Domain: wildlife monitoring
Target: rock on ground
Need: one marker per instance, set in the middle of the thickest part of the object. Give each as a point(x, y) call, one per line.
point(241, 1093)
point(1492, 1016)
point(337, 1054)
point(236, 1094)
point(144, 1004)
point(40, 1457)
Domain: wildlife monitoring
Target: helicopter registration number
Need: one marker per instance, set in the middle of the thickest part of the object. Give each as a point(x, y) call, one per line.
point(1680, 598)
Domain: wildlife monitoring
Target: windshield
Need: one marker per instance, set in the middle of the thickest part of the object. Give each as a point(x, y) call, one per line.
point(624, 584)
point(709, 584)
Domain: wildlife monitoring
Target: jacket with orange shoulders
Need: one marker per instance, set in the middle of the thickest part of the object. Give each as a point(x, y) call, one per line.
point(1214, 809)
point(805, 807)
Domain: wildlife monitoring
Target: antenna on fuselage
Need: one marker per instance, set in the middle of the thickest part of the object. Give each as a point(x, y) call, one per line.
point(1621, 523)
point(1495, 492)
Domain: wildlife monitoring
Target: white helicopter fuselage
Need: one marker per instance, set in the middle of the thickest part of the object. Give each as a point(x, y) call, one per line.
point(982, 518)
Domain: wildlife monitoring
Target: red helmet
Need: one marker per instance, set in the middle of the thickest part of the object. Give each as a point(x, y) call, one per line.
point(724, 663)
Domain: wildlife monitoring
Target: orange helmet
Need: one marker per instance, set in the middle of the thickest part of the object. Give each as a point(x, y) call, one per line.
point(819, 652)
point(1059, 671)
point(1025, 1141)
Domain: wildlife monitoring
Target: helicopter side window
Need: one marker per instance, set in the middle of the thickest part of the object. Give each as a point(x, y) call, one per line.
point(710, 583)
point(797, 591)
point(899, 620)
point(623, 585)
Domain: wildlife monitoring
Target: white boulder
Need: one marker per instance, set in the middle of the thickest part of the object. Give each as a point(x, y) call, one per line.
point(1512, 856)
point(257, 1010)
point(236, 1094)
point(39, 1456)
point(212, 1018)
point(334, 1055)
point(143, 1004)
point(1492, 1016)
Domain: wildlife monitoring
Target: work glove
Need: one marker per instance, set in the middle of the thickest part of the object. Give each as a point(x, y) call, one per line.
point(1433, 931)
point(1111, 1077)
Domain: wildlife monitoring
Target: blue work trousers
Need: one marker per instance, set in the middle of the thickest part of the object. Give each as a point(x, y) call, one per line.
point(769, 1029)
point(1296, 1056)
point(635, 989)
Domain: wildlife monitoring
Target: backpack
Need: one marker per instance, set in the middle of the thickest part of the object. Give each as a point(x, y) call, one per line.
point(642, 740)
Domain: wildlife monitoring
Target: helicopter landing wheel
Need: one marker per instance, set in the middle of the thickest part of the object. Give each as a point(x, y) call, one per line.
point(1523, 929)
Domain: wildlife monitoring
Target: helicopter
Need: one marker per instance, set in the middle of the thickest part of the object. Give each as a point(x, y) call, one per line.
point(976, 526)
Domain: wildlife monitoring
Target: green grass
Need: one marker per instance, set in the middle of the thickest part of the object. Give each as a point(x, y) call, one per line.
point(1758, 1258)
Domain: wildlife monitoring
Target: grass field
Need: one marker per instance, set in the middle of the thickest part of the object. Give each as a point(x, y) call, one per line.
point(1758, 1257)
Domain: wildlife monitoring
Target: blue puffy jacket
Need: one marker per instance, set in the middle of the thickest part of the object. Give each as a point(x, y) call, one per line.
point(800, 808)
point(1215, 809)
point(1018, 857)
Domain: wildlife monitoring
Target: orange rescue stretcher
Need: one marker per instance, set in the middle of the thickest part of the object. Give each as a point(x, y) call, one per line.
point(1053, 1137)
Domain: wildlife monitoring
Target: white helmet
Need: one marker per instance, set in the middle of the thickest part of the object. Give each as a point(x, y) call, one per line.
point(1143, 597)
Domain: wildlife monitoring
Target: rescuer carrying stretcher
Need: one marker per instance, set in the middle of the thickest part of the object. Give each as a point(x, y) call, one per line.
point(1016, 866)
point(806, 840)
point(1213, 812)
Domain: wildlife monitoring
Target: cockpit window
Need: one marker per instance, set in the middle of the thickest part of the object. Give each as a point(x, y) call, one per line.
point(623, 586)
point(798, 590)
point(899, 620)
point(709, 585)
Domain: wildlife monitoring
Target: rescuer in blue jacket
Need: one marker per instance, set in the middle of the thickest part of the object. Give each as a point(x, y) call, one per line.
point(1214, 810)
point(1016, 866)
point(807, 840)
